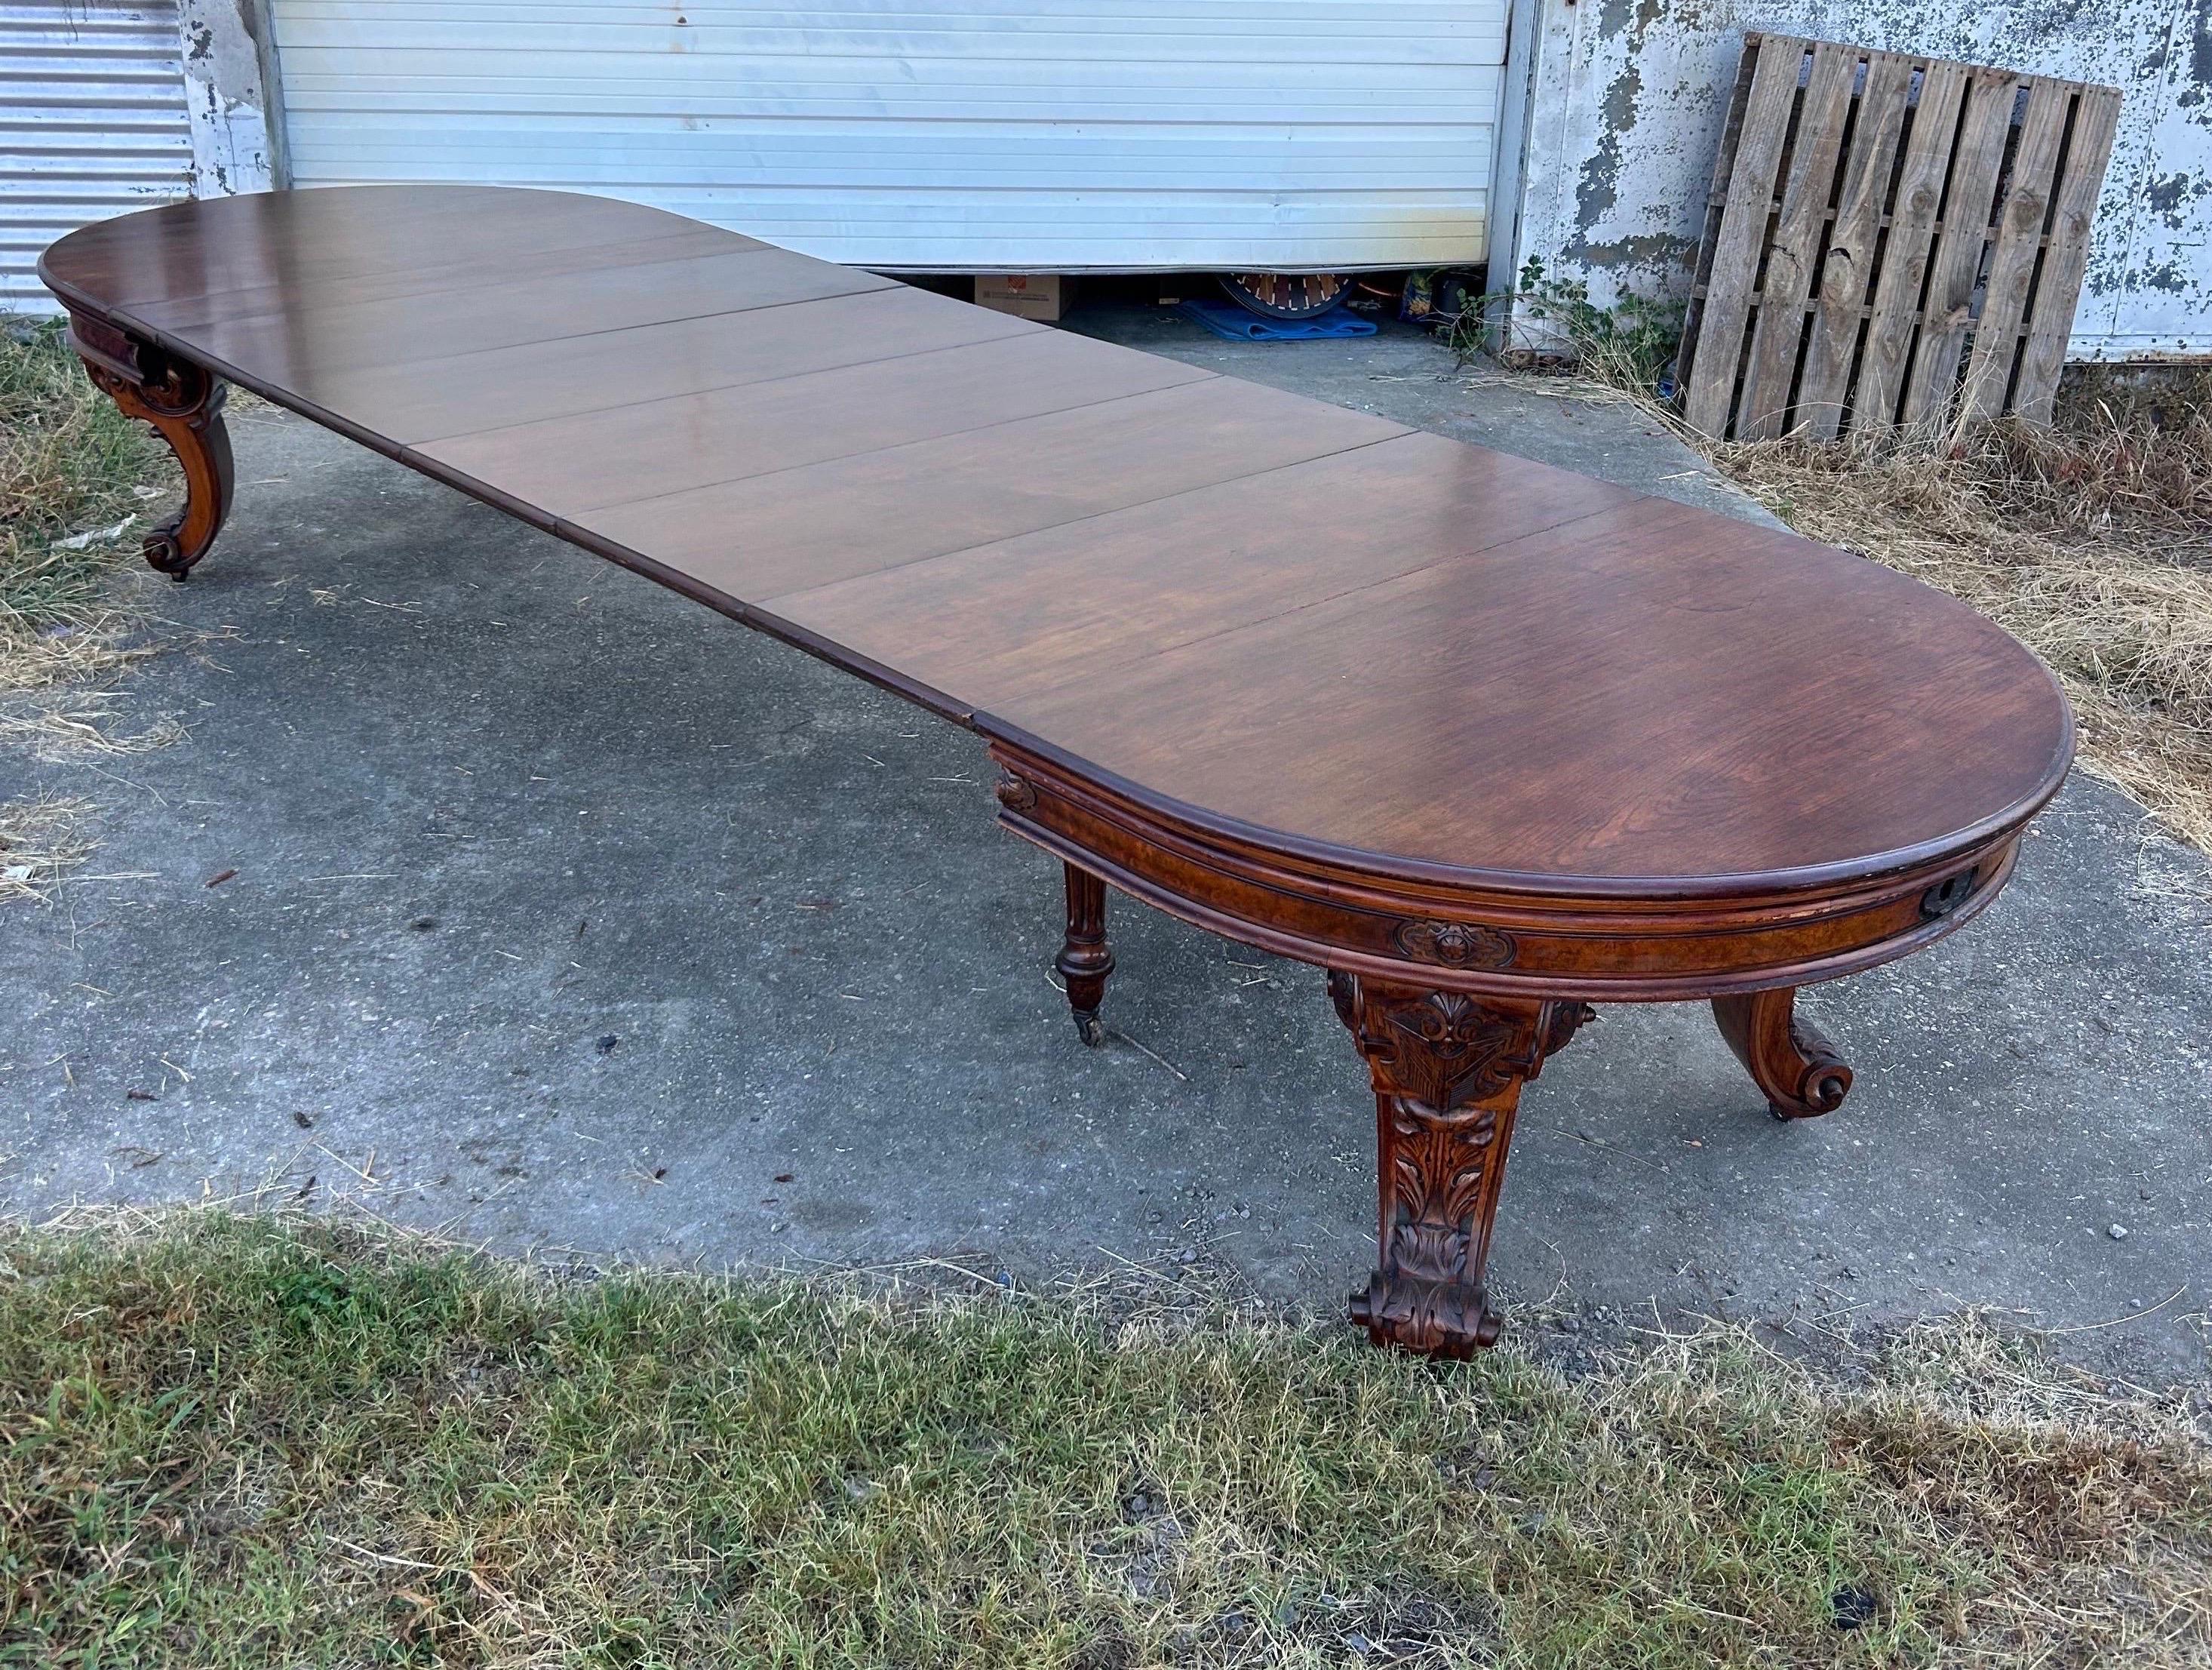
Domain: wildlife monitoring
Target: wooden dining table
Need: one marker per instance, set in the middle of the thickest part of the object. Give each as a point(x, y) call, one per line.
point(1488, 742)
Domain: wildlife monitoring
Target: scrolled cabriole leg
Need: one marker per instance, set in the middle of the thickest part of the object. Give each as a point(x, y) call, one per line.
point(1447, 1071)
point(1786, 1057)
point(184, 403)
point(1085, 960)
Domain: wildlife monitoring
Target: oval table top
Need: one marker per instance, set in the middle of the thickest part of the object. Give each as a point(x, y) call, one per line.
point(1258, 614)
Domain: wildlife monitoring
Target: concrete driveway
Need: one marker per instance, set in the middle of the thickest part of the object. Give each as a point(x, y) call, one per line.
point(567, 914)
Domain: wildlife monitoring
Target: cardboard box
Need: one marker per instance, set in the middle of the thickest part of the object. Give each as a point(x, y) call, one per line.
point(1030, 295)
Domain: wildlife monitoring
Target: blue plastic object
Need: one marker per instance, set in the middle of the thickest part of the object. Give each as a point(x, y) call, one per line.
point(1226, 319)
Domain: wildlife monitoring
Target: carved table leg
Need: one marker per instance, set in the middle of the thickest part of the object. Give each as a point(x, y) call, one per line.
point(1787, 1059)
point(1447, 1071)
point(184, 403)
point(1084, 958)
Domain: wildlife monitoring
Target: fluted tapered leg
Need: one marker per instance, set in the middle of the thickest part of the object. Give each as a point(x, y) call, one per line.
point(1085, 960)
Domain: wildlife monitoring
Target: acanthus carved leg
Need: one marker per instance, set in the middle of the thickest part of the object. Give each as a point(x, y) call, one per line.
point(182, 401)
point(1787, 1059)
point(1084, 958)
point(1447, 1071)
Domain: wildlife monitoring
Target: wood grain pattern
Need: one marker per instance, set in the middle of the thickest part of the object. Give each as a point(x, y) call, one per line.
point(1485, 740)
point(763, 536)
point(1918, 204)
point(1010, 621)
point(317, 341)
point(1849, 268)
point(1701, 283)
point(1969, 206)
point(1786, 1057)
point(183, 404)
point(633, 452)
point(1794, 247)
point(2016, 249)
point(1085, 960)
point(1447, 1071)
point(1618, 723)
point(2050, 318)
point(420, 285)
point(1710, 358)
point(495, 389)
point(292, 247)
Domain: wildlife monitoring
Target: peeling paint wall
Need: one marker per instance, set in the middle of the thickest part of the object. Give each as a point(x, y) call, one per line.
point(229, 76)
point(1626, 99)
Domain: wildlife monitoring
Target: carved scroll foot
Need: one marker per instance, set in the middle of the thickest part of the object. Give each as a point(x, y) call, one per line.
point(183, 402)
point(1447, 1071)
point(1787, 1059)
point(1084, 958)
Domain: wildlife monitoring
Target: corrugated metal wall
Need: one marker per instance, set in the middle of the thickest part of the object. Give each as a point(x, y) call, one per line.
point(92, 123)
point(1023, 135)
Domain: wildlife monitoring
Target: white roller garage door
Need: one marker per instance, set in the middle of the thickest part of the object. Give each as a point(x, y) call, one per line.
point(1021, 135)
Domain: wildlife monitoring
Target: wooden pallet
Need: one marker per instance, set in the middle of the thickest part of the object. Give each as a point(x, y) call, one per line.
point(1890, 240)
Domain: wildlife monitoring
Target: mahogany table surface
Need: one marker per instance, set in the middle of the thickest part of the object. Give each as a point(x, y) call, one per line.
point(1485, 740)
point(1294, 623)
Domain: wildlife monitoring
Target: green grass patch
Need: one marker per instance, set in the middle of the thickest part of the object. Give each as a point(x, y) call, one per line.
point(234, 1442)
point(71, 463)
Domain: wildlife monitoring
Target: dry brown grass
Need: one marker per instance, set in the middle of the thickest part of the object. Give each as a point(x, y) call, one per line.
point(77, 481)
point(42, 841)
point(77, 485)
point(69, 724)
point(2090, 542)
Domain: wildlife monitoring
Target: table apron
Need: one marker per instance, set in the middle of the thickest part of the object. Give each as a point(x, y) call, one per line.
point(1489, 942)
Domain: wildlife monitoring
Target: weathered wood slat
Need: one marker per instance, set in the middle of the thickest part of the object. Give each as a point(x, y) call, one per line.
point(1913, 219)
point(1712, 383)
point(2066, 252)
point(1717, 204)
point(1899, 219)
point(1854, 240)
point(2019, 244)
point(1968, 203)
point(1794, 251)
